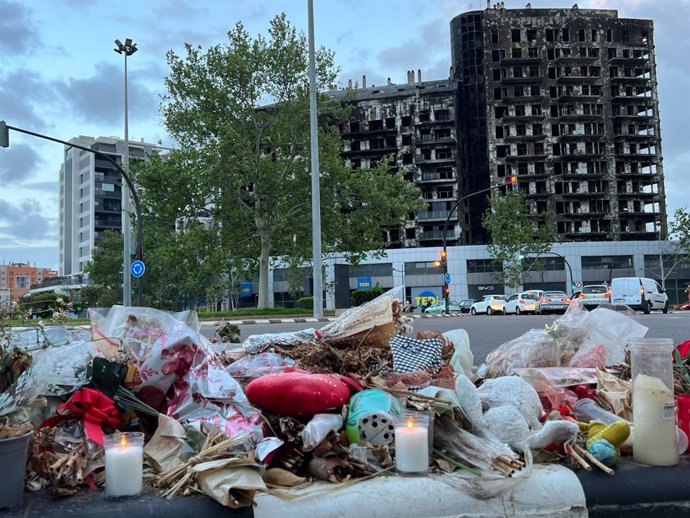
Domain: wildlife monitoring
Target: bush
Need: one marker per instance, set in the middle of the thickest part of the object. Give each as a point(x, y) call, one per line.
point(359, 297)
point(306, 303)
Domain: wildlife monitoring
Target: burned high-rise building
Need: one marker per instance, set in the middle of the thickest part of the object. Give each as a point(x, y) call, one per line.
point(415, 124)
point(566, 99)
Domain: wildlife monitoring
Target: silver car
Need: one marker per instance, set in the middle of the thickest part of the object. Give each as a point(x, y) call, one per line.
point(553, 302)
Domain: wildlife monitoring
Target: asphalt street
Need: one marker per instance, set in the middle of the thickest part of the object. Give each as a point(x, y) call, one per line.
point(488, 332)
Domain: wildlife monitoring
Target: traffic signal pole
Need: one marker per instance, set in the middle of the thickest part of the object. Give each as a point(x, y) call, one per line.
point(511, 180)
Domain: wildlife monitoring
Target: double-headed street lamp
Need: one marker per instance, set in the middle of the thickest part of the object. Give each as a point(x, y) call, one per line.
point(127, 48)
point(511, 180)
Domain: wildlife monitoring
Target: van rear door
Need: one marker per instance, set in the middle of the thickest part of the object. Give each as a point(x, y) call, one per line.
point(626, 290)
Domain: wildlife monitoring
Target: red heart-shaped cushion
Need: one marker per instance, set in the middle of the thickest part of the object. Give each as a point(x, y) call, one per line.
point(297, 394)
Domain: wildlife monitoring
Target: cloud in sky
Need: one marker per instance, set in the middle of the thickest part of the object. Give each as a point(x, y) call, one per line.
point(23, 222)
point(18, 32)
point(18, 164)
point(99, 97)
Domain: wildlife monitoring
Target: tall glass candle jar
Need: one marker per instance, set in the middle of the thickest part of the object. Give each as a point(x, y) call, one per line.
point(654, 410)
point(124, 464)
point(412, 442)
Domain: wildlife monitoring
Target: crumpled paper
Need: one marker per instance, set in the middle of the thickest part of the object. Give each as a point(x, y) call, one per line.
point(231, 482)
point(163, 450)
point(614, 394)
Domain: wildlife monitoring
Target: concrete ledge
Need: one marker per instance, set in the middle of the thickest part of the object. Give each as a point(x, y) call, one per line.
point(551, 490)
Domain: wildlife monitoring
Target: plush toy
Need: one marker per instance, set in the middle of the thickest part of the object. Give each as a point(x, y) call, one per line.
point(604, 441)
point(299, 394)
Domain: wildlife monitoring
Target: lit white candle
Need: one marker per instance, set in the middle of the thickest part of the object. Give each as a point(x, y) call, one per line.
point(124, 461)
point(411, 446)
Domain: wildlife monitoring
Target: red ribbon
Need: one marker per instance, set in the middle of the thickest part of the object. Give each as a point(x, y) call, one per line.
point(91, 406)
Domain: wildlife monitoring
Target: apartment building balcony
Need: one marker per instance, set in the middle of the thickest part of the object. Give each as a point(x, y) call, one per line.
point(363, 134)
point(579, 156)
point(574, 117)
point(629, 61)
point(521, 80)
point(437, 178)
point(433, 122)
point(578, 79)
point(634, 136)
point(435, 235)
point(525, 138)
point(522, 118)
point(435, 141)
point(565, 60)
point(637, 80)
point(526, 158)
point(521, 61)
point(431, 215)
point(637, 99)
point(572, 137)
point(370, 151)
point(419, 160)
point(511, 99)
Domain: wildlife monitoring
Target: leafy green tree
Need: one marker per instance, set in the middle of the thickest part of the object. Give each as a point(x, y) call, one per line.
point(105, 272)
point(680, 229)
point(516, 236)
point(240, 112)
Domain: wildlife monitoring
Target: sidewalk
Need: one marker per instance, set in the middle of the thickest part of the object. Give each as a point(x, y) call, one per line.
point(303, 320)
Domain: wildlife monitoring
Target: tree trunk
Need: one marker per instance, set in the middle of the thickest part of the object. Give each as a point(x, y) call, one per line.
point(263, 272)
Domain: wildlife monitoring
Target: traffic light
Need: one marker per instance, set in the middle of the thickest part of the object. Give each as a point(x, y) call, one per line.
point(4, 135)
point(512, 181)
point(446, 290)
point(444, 255)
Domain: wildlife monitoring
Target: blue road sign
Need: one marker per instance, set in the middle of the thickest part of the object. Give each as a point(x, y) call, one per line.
point(138, 268)
point(245, 289)
point(447, 278)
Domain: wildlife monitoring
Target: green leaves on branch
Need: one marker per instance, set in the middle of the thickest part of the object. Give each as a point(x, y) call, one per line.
point(517, 237)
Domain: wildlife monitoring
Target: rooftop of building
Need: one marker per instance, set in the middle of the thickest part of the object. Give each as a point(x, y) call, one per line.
point(356, 93)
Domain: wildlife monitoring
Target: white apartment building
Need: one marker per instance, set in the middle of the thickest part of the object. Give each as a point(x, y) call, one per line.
point(91, 197)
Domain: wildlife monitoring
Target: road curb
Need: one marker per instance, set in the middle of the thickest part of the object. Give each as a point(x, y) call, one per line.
point(306, 320)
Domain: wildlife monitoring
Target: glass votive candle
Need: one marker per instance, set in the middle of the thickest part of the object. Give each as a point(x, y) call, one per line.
point(124, 464)
point(412, 442)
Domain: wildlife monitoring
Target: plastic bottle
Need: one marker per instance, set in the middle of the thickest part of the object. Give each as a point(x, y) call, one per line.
point(654, 414)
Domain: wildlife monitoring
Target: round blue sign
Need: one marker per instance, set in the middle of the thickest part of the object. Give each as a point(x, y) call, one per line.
point(138, 268)
point(447, 278)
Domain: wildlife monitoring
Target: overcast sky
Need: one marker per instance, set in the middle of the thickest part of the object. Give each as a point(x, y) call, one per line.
point(60, 76)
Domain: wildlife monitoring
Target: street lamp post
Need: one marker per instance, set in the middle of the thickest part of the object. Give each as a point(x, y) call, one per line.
point(127, 48)
point(315, 173)
point(510, 181)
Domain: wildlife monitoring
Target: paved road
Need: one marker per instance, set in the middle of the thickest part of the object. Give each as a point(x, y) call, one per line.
point(488, 332)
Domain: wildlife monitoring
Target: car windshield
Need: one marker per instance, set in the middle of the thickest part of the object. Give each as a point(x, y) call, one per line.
point(594, 289)
point(498, 297)
point(554, 294)
point(529, 295)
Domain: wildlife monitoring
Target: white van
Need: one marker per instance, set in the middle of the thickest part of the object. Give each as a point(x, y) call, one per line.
point(639, 293)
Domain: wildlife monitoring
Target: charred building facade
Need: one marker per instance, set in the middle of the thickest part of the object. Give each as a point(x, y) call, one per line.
point(566, 100)
point(415, 124)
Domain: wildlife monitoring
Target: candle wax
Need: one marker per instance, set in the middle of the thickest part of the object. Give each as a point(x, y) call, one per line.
point(411, 449)
point(124, 470)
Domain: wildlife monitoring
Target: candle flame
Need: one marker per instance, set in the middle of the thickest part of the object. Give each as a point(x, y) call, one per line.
point(409, 422)
point(123, 441)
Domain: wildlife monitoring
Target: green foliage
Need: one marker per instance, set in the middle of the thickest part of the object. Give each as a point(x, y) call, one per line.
point(359, 297)
point(680, 229)
point(251, 166)
point(516, 236)
point(105, 273)
point(305, 303)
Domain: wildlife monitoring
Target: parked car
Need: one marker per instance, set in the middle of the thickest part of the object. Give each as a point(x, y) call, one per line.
point(639, 293)
point(489, 304)
point(594, 294)
point(466, 305)
point(525, 302)
point(553, 301)
point(440, 307)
